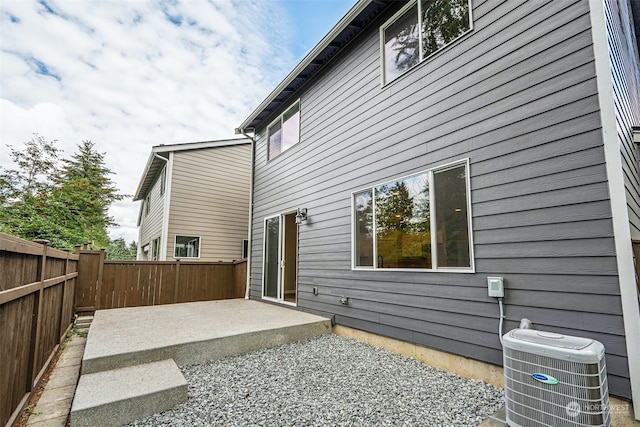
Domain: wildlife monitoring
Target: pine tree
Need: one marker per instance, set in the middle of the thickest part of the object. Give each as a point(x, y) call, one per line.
point(88, 191)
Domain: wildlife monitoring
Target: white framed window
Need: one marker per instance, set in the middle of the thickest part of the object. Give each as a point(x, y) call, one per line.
point(284, 132)
point(155, 249)
point(186, 247)
point(419, 30)
point(245, 248)
point(147, 203)
point(421, 221)
point(163, 180)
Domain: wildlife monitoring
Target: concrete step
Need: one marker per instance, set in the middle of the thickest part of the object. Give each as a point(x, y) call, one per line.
point(83, 321)
point(120, 396)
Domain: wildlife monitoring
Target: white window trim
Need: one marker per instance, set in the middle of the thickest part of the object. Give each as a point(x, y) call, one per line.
point(279, 119)
point(422, 59)
point(434, 255)
point(175, 241)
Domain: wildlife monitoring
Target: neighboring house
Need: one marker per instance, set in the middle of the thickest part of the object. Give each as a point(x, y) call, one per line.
point(195, 201)
point(500, 145)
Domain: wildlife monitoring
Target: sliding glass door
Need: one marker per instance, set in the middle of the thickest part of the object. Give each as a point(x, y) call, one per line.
point(280, 258)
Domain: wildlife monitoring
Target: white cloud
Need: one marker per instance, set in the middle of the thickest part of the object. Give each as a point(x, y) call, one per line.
point(132, 74)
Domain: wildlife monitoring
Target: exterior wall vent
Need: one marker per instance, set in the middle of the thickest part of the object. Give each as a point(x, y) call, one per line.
point(554, 380)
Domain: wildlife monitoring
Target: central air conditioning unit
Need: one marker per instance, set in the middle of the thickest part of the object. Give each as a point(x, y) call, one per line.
point(554, 380)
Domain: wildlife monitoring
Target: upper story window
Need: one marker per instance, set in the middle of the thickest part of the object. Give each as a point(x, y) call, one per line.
point(284, 132)
point(418, 222)
point(419, 30)
point(163, 180)
point(147, 204)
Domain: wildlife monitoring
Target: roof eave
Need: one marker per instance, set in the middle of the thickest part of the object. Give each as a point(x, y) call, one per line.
point(142, 190)
point(351, 15)
point(155, 163)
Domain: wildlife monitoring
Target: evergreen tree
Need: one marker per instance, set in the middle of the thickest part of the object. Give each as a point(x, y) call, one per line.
point(118, 250)
point(88, 191)
point(66, 205)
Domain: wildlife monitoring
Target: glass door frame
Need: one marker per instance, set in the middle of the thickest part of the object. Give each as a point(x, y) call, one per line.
point(282, 240)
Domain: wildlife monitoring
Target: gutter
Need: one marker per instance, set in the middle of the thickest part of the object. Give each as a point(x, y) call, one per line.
point(244, 131)
point(164, 231)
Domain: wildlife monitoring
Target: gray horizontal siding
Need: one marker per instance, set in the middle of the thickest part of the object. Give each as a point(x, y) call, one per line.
point(518, 97)
point(626, 89)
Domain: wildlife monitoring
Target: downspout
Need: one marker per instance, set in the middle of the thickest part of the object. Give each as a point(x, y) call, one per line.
point(165, 209)
point(250, 228)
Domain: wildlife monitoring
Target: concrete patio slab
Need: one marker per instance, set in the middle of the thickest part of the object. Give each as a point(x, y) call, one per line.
point(192, 332)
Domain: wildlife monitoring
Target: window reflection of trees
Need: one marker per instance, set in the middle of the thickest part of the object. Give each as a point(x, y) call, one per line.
point(402, 224)
point(412, 37)
point(442, 22)
point(402, 41)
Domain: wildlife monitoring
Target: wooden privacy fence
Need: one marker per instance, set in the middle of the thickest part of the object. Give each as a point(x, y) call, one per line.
point(37, 286)
point(104, 284)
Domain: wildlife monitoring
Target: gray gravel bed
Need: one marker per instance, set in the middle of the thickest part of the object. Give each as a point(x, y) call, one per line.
point(327, 381)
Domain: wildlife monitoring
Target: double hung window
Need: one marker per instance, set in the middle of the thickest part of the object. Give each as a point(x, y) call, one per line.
point(421, 221)
point(418, 31)
point(284, 133)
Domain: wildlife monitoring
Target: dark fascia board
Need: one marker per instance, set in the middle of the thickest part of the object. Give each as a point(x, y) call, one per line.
point(155, 164)
point(349, 27)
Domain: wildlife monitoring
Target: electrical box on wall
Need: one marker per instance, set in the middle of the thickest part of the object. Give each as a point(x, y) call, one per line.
point(496, 286)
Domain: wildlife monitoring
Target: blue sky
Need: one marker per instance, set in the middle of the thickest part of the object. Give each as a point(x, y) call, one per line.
point(131, 74)
point(312, 19)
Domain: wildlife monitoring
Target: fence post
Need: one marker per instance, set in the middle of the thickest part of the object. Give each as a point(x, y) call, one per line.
point(99, 280)
point(36, 328)
point(63, 314)
point(175, 288)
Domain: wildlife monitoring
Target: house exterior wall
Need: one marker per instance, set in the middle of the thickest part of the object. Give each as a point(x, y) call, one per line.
point(210, 200)
point(625, 72)
point(517, 96)
point(617, 66)
point(151, 223)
